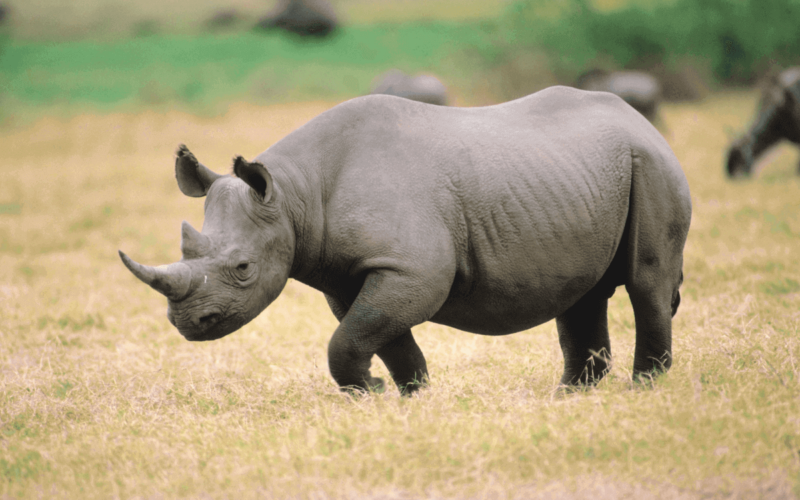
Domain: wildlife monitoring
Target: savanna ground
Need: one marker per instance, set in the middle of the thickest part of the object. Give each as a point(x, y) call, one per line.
point(100, 397)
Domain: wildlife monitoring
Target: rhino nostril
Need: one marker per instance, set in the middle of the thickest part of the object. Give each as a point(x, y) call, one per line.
point(209, 319)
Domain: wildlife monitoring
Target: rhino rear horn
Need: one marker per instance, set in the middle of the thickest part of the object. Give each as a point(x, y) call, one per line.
point(255, 175)
point(193, 243)
point(173, 281)
point(194, 178)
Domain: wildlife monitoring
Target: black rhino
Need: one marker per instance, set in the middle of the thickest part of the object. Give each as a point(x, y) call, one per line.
point(491, 220)
point(639, 89)
point(422, 88)
point(778, 118)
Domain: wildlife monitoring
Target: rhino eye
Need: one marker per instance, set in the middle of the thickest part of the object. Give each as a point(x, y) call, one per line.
point(243, 271)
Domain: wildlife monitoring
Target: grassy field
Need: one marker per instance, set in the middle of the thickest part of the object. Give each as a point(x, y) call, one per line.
point(111, 55)
point(100, 397)
point(205, 73)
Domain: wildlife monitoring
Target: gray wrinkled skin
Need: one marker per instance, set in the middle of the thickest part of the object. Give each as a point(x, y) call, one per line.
point(639, 89)
point(777, 118)
point(422, 88)
point(491, 220)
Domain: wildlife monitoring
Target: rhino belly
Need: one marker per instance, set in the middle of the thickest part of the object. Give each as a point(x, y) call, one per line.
point(520, 272)
point(494, 309)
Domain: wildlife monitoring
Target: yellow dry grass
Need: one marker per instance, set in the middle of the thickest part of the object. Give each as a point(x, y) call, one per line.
point(101, 398)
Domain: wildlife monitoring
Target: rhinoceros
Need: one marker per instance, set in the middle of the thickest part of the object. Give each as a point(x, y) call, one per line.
point(778, 118)
point(639, 89)
point(301, 17)
point(490, 220)
point(422, 88)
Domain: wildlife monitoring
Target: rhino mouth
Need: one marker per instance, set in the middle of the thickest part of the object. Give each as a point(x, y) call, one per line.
point(203, 334)
point(210, 325)
point(737, 166)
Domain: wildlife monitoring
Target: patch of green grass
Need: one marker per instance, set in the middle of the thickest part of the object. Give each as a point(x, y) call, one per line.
point(25, 466)
point(61, 388)
point(781, 287)
point(197, 71)
point(10, 208)
point(736, 39)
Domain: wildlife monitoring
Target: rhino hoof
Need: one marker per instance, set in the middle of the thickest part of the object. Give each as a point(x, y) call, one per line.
point(376, 385)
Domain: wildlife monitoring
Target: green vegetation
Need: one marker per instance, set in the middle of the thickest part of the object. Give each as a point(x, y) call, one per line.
point(532, 44)
point(202, 70)
point(736, 39)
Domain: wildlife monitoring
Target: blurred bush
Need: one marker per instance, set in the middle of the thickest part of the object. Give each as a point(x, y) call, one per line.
point(734, 40)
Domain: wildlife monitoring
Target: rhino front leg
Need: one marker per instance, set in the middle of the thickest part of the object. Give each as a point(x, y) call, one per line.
point(583, 335)
point(402, 356)
point(339, 309)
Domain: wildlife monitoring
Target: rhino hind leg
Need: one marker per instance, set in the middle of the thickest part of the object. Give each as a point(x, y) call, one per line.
point(655, 297)
point(653, 311)
point(654, 280)
point(583, 335)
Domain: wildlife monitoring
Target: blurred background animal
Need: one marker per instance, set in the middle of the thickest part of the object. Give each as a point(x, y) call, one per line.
point(223, 19)
point(302, 17)
point(639, 89)
point(423, 87)
point(777, 118)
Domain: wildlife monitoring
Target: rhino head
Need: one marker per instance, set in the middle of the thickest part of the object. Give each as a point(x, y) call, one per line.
point(778, 118)
point(238, 264)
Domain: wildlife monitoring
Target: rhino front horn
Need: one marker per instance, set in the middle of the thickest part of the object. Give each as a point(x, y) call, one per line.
point(173, 280)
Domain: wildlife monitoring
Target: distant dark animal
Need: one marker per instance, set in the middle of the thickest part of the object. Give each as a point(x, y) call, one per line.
point(639, 89)
point(302, 17)
point(492, 220)
point(223, 19)
point(777, 118)
point(422, 88)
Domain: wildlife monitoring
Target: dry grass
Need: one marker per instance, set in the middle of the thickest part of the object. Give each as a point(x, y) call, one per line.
point(100, 397)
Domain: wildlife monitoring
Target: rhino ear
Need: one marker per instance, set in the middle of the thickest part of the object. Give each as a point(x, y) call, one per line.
point(255, 175)
point(194, 179)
